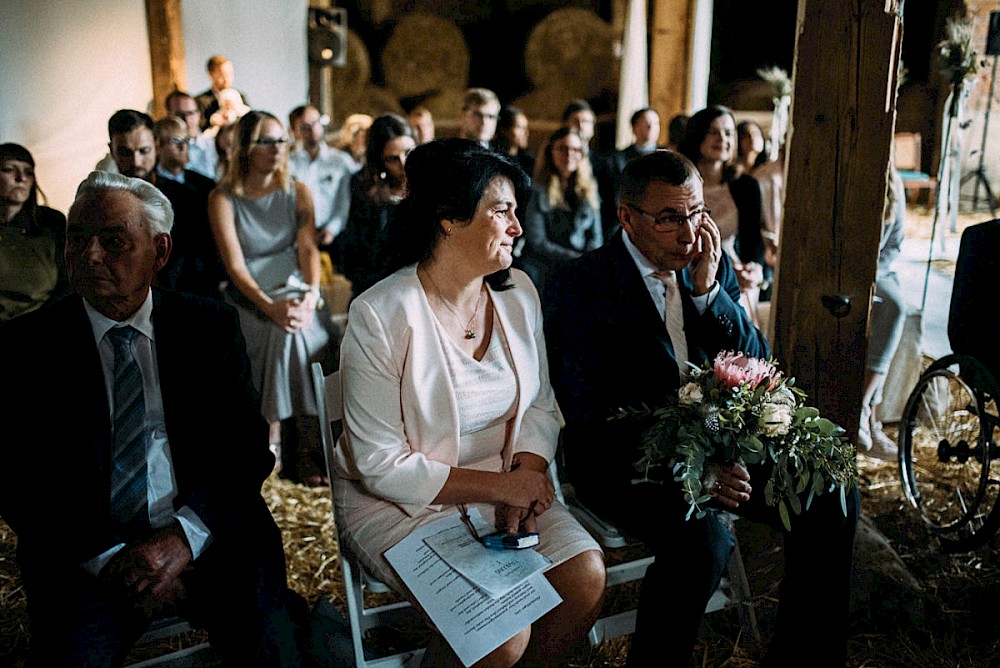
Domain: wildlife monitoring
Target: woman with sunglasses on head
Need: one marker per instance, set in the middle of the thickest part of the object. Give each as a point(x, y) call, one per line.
point(734, 198)
point(32, 238)
point(360, 252)
point(262, 221)
point(562, 219)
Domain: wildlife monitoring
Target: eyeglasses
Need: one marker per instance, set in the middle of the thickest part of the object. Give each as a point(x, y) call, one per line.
point(568, 150)
point(671, 222)
point(269, 142)
point(180, 142)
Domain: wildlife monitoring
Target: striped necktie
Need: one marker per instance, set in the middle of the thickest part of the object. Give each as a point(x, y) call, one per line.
point(128, 477)
point(674, 319)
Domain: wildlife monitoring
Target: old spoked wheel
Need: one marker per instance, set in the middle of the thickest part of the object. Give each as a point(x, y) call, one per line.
point(947, 452)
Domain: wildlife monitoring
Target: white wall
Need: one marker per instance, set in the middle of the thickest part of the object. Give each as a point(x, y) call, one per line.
point(67, 65)
point(265, 39)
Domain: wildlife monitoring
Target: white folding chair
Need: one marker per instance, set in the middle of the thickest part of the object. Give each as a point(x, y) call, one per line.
point(357, 581)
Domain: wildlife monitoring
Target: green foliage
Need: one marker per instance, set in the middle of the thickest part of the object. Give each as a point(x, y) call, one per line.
point(763, 422)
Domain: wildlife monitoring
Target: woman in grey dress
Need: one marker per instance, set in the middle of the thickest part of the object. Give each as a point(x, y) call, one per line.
point(263, 224)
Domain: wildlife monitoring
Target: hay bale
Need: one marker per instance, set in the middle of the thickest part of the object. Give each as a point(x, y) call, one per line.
point(425, 53)
point(572, 50)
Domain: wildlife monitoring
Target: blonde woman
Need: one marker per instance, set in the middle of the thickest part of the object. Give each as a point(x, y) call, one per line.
point(262, 221)
point(562, 219)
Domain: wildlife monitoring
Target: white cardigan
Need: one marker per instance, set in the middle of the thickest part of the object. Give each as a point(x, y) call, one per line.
point(401, 429)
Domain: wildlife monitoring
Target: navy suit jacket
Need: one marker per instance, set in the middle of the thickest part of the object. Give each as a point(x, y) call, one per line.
point(54, 486)
point(608, 348)
point(972, 317)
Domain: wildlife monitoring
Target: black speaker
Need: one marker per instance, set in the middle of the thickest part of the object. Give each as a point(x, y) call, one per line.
point(327, 36)
point(993, 38)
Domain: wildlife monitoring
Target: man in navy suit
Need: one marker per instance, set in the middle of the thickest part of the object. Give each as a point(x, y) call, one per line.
point(610, 346)
point(136, 452)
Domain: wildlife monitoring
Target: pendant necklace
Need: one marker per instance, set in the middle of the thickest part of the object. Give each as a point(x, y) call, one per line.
point(470, 332)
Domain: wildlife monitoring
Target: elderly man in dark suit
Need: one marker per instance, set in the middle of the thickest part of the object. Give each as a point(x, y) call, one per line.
point(136, 451)
point(621, 322)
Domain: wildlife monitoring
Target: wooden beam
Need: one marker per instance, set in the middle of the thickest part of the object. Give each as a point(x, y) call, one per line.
point(166, 50)
point(842, 119)
point(670, 55)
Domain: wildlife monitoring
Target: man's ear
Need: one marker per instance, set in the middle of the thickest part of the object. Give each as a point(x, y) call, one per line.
point(162, 244)
point(625, 218)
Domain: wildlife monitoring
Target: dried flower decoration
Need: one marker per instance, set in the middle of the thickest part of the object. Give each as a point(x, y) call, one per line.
point(780, 82)
point(957, 57)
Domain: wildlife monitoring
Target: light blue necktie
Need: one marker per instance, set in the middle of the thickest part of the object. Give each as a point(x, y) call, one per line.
point(128, 477)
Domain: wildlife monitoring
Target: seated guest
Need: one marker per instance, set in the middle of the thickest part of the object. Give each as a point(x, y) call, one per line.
point(155, 503)
point(478, 118)
point(888, 315)
point(32, 238)
point(455, 321)
point(223, 75)
point(580, 116)
point(422, 122)
point(361, 251)
point(734, 199)
point(326, 171)
point(609, 347)
point(202, 157)
point(262, 221)
point(972, 319)
point(352, 138)
point(512, 137)
point(195, 265)
point(130, 138)
point(562, 219)
point(675, 130)
point(646, 130)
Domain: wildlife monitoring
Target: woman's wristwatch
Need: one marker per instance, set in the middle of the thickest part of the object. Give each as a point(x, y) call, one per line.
point(319, 296)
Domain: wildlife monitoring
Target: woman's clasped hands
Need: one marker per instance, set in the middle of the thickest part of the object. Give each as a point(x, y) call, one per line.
point(292, 315)
point(527, 492)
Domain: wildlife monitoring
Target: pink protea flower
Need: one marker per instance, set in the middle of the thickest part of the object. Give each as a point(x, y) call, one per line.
point(733, 370)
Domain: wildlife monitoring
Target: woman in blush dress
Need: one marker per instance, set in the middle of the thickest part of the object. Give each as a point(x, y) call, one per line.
point(447, 401)
point(734, 199)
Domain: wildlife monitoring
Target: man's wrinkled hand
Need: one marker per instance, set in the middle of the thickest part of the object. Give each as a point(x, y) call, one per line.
point(151, 568)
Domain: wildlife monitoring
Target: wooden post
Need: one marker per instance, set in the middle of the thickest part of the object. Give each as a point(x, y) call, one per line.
point(671, 41)
point(166, 50)
point(842, 119)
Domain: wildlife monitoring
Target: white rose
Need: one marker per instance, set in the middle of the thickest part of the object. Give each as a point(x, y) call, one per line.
point(690, 394)
point(776, 418)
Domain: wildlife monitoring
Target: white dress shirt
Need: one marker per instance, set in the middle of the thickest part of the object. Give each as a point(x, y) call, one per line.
point(655, 285)
point(328, 178)
point(161, 485)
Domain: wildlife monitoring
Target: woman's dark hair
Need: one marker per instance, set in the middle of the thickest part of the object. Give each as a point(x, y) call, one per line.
point(21, 154)
point(446, 180)
point(742, 130)
point(696, 131)
point(505, 123)
point(383, 130)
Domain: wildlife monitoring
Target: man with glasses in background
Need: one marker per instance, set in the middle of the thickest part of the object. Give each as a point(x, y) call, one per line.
point(478, 120)
point(202, 156)
point(621, 324)
point(194, 265)
point(324, 170)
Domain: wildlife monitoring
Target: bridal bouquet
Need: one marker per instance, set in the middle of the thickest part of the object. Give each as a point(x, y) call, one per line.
point(738, 408)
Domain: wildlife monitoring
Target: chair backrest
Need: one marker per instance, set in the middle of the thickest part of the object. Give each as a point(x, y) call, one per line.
point(356, 581)
point(906, 149)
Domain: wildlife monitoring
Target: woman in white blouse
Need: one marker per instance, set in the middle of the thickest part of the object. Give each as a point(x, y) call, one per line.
point(447, 401)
